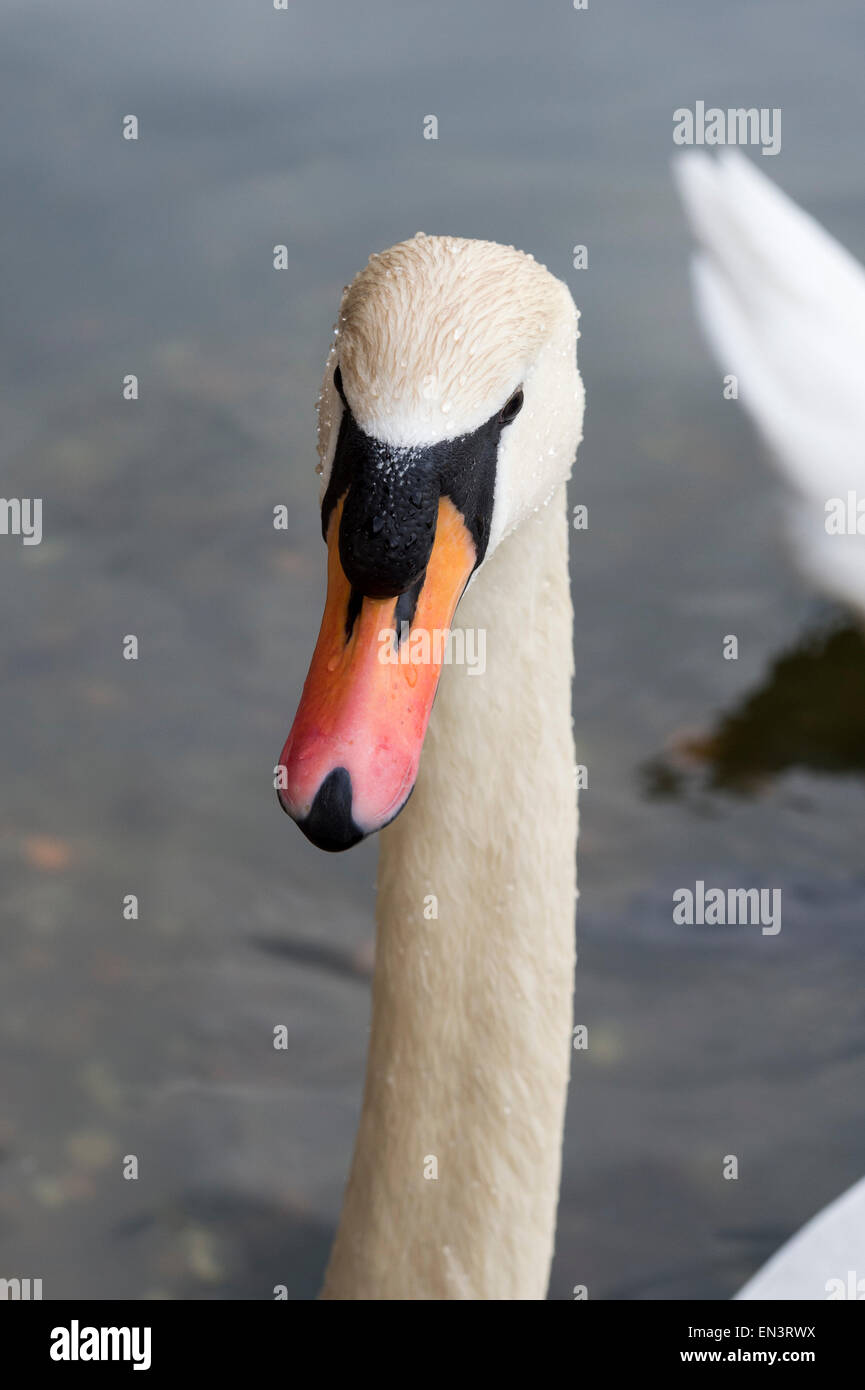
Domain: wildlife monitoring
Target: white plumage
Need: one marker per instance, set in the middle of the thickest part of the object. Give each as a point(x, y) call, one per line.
point(825, 1260)
point(783, 306)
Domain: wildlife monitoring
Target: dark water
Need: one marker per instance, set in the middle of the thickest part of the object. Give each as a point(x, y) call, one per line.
point(154, 1037)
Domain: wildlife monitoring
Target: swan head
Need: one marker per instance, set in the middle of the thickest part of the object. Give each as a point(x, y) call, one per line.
point(451, 410)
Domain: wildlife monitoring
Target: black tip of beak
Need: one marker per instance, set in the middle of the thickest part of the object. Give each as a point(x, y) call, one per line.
point(329, 824)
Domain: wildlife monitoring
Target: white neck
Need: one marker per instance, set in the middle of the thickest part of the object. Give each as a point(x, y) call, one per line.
point(472, 1012)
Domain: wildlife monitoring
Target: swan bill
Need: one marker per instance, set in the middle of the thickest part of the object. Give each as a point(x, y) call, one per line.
point(351, 759)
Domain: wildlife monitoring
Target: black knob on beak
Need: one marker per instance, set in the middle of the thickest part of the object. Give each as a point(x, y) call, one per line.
point(388, 519)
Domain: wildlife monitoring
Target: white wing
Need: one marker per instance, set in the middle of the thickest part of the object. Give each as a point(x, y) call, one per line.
point(826, 1258)
point(783, 306)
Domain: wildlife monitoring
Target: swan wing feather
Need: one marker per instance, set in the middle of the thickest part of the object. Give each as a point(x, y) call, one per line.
point(783, 306)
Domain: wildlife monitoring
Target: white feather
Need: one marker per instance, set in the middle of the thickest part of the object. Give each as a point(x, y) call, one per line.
point(783, 306)
point(822, 1260)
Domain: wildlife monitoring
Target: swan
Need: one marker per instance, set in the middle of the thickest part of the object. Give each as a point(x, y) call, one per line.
point(449, 419)
point(783, 306)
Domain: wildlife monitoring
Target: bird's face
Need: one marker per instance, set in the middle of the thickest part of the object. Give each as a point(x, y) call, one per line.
point(451, 408)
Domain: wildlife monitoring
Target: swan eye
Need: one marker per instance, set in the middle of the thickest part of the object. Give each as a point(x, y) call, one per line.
point(337, 381)
point(511, 409)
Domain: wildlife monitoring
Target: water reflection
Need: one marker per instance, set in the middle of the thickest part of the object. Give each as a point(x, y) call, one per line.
point(807, 713)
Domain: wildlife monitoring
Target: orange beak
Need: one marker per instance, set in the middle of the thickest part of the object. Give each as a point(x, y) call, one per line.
point(351, 759)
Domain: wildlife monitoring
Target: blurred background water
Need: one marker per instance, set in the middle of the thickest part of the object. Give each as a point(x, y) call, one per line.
point(154, 1037)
